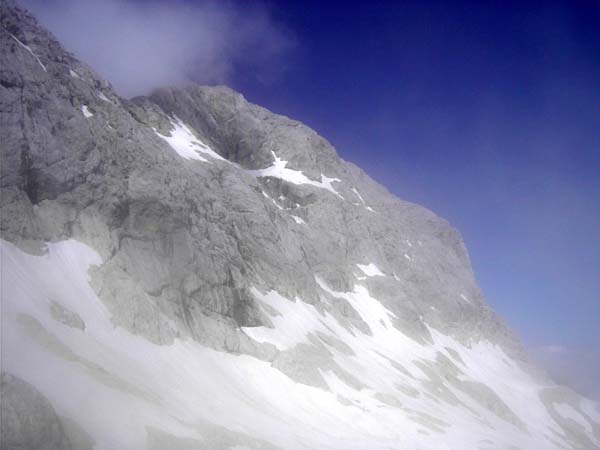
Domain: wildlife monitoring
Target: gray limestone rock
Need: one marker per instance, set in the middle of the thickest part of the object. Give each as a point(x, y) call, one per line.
point(66, 316)
point(80, 440)
point(28, 419)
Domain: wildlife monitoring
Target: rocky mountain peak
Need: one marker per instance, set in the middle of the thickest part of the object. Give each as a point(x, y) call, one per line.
point(199, 258)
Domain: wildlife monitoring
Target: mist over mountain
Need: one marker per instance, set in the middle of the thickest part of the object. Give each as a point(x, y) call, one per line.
point(189, 270)
point(140, 46)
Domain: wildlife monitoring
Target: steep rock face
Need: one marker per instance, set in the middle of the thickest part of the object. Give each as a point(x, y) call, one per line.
point(196, 235)
point(192, 239)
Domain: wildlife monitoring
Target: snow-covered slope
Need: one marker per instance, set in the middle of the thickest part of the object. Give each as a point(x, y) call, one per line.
point(188, 270)
point(382, 390)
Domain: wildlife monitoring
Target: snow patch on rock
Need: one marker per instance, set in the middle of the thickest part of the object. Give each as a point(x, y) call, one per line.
point(568, 412)
point(279, 170)
point(370, 270)
point(368, 208)
point(26, 47)
point(265, 195)
point(104, 98)
point(186, 144)
point(86, 111)
point(295, 321)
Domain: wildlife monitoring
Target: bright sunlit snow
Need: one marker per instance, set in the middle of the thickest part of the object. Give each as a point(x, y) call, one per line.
point(265, 195)
point(358, 195)
point(279, 170)
point(26, 47)
point(103, 97)
point(293, 323)
point(186, 144)
point(368, 208)
point(115, 384)
point(371, 270)
point(86, 112)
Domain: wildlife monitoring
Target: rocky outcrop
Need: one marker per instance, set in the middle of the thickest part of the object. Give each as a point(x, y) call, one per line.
point(28, 419)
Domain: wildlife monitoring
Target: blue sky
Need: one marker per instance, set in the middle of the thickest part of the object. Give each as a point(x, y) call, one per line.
point(488, 113)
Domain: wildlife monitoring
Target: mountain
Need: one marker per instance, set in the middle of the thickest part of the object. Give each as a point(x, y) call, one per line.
point(188, 270)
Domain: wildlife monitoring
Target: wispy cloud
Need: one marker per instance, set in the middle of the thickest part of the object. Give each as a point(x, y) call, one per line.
point(138, 46)
point(574, 367)
point(552, 349)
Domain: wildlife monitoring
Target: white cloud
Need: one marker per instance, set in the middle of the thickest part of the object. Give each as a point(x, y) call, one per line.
point(553, 349)
point(140, 46)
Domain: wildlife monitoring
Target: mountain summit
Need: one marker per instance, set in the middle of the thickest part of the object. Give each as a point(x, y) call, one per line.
point(189, 270)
